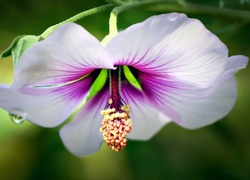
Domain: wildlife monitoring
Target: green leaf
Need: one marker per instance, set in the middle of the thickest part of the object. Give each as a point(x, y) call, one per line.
point(131, 78)
point(22, 44)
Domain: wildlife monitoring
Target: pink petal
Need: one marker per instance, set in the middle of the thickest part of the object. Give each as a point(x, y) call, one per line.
point(82, 136)
point(67, 54)
point(235, 63)
point(190, 106)
point(46, 107)
point(171, 45)
point(198, 111)
point(146, 120)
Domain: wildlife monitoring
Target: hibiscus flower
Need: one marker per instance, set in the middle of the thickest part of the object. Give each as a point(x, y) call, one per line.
point(166, 68)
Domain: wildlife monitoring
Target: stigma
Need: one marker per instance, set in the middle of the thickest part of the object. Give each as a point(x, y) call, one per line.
point(115, 126)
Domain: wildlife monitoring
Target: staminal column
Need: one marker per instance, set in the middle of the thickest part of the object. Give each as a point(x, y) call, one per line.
point(116, 122)
point(114, 86)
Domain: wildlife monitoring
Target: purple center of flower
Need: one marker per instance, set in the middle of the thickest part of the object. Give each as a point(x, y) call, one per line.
point(116, 123)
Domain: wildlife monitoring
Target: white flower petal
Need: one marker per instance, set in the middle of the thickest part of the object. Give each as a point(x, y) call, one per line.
point(67, 54)
point(46, 107)
point(198, 112)
point(5, 86)
point(82, 136)
point(146, 120)
point(235, 63)
point(171, 45)
point(193, 107)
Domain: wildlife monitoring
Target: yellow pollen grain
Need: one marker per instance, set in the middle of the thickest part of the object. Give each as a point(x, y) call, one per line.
point(110, 101)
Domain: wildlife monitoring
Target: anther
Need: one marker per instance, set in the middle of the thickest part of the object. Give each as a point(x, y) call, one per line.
point(115, 126)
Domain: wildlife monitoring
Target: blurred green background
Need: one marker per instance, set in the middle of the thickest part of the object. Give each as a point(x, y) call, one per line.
point(219, 151)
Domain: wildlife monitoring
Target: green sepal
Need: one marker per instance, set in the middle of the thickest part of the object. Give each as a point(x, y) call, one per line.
point(22, 45)
point(98, 84)
point(18, 46)
point(7, 52)
point(131, 78)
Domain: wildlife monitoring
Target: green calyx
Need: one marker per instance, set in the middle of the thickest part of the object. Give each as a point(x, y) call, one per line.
point(98, 84)
point(131, 78)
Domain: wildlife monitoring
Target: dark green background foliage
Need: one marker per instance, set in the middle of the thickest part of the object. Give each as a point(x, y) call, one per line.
point(219, 151)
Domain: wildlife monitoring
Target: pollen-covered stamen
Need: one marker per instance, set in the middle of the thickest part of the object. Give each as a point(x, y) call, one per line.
point(115, 126)
point(116, 123)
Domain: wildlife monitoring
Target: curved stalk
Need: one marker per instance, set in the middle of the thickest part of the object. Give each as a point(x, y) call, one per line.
point(78, 17)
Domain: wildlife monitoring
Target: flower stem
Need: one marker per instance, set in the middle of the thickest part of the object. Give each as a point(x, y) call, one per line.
point(169, 6)
point(78, 17)
point(114, 14)
point(192, 8)
point(116, 2)
point(186, 7)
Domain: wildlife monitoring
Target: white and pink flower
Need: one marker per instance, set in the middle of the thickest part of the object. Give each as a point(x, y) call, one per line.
point(183, 70)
